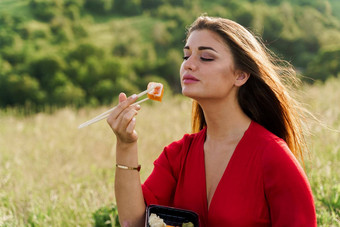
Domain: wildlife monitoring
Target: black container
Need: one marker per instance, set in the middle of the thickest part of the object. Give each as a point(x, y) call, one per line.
point(172, 216)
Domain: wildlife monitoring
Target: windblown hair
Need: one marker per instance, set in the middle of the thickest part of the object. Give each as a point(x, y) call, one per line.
point(264, 98)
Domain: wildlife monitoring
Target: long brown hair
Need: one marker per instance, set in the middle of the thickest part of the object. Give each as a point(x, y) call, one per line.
point(264, 97)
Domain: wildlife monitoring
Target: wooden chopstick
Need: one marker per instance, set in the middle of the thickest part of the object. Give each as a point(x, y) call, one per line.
point(107, 113)
point(103, 116)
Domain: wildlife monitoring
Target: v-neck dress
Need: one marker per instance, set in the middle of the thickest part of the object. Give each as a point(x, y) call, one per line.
point(263, 184)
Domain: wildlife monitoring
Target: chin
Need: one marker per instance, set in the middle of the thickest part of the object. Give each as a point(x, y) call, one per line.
point(186, 91)
point(190, 94)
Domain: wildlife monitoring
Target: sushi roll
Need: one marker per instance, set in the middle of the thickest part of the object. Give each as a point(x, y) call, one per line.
point(157, 93)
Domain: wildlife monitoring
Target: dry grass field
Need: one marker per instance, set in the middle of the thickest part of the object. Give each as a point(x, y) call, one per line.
point(52, 174)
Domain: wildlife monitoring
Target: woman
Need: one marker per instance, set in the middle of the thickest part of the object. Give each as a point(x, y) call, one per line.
point(239, 167)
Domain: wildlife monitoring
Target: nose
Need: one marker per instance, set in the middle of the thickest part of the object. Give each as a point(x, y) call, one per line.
point(190, 64)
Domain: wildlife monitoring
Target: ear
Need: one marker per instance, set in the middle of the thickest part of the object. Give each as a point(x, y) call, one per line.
point(241, 78)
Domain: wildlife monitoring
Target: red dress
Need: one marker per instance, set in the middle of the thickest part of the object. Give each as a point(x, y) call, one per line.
point(263, 184)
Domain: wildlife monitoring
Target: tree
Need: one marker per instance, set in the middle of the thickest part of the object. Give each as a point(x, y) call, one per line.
point(45, 68)
point(84, 51)
point(67, 94)
point(14, 56)
point(129, 8)
point(44, 10)
point(105, 91)
point(325, 64)
point(169, 69)
point(272, 26)
point(6, 38)
point(99, 6)
point(244, 16)
point(151, 4)
point(19, 90)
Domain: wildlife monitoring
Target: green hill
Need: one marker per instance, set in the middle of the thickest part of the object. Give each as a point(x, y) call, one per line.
point(81, 52)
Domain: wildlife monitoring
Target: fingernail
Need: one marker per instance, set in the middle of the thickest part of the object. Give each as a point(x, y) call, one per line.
point(134, 96)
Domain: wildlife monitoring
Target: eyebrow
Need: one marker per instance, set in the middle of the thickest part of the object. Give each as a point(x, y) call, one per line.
point(201, 48)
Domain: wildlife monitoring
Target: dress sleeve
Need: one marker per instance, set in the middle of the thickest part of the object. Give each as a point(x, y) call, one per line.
point(287, 189)
point(160, 186)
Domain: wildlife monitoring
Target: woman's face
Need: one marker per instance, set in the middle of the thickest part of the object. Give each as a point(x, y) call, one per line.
point(207, 71)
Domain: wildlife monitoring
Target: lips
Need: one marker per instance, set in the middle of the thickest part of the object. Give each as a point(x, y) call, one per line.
point(187, 79)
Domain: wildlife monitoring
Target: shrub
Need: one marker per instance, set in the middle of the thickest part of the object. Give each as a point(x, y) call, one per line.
point(67, 94)
point(169, 69)
point(6, 38)
point(79, 30)
point(104, 91)
point(325, 64)
point(99, 6)
point(106, 216)
point(129, 8)
point(84, 51)
point(46, 67)
point(150, 4)
point(20, 89)
point(13, 56)
point(43, 10)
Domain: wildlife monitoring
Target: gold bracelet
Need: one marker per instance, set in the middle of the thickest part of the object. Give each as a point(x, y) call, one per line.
point(128, 167)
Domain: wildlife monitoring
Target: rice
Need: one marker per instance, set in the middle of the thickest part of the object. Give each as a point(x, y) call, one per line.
point(155, 221)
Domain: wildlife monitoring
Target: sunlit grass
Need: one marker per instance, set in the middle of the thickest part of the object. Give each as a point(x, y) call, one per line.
point(324, 165)
point(52, 174)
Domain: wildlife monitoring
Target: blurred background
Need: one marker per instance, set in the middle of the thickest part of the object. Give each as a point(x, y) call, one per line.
point(65, 61)
point(84, 52)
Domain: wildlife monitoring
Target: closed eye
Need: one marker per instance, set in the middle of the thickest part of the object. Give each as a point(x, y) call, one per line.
point(207, 59)
point(203, 59)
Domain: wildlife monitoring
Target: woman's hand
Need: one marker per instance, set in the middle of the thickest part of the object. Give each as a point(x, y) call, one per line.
point(128, 189)
point(122, 120)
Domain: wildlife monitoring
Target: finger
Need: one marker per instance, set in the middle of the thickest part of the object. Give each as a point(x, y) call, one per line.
point(127, 117)
point(123, 104)
point(115, 123)
point(122, 97)
point(120, 124)
point(137, 107)
point(130, 129)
